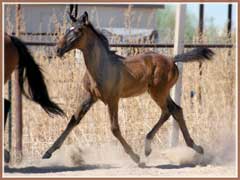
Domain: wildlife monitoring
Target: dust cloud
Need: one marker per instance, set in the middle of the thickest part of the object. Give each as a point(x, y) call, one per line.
point(220, 152)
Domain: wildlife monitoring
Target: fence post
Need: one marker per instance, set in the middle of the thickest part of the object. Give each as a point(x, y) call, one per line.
point(229, 26)
point(18, 95)
point(200, 40)
point(178, 48)
point(201, 22)
point(229, 23)
point(10, 115)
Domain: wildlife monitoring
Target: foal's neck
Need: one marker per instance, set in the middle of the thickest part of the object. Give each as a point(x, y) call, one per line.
point(97, 58)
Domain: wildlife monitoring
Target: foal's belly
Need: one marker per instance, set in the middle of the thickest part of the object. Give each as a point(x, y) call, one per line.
point(134, 90)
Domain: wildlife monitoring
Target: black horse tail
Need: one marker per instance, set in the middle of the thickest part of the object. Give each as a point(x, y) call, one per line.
point(196, 54)
point(30, 70)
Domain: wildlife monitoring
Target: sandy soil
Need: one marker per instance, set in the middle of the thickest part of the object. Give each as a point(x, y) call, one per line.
point(114, 171)
point(112, 162)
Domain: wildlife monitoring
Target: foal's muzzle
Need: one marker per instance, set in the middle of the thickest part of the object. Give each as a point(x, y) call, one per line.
point(60, 52)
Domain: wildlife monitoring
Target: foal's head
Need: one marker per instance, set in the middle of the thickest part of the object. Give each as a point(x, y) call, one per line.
point(74, 36)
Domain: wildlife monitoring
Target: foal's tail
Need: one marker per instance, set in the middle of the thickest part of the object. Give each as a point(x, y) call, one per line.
point(196, 54)
point(37, 90)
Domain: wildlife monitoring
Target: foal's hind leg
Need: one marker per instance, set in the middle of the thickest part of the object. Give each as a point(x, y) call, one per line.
point(161, 101)
point(177, 113)
point(76, 118)
point(164, 117)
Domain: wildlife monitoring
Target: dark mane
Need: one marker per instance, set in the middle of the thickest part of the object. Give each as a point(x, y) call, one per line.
point(105, 42)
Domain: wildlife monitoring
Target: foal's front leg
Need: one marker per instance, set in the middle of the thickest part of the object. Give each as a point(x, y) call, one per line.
point(76, 118)
point(113, 112)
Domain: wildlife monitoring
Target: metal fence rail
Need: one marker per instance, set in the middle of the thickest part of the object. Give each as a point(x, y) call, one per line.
point(143, 45)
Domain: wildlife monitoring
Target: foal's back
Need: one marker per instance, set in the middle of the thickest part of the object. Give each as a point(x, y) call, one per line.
point(147, 70)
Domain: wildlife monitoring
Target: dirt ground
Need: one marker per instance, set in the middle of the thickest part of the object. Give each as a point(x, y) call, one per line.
point(110, 161)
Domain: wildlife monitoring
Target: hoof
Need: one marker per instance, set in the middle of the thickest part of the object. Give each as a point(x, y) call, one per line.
point(47, 155)
point(142, 165)
point(148, 152)
point(136, 158)
point(148, 149)
point(6, 156)
point(199, 149)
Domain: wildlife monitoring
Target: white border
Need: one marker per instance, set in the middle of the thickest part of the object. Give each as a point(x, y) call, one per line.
point(236, 100)
point(120, 3)
point(150, 3)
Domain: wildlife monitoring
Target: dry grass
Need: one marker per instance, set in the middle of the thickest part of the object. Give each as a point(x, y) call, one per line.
point(213, 118)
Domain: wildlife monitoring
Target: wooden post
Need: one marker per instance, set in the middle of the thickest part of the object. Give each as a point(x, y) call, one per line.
point(18, 95)
point(229, 26)
point(178, 48)
point(10, 116)
point(200, 39)
point(229, 23)
point(201, 21)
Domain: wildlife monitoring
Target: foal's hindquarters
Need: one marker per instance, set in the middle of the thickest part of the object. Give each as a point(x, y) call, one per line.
point(156, 74)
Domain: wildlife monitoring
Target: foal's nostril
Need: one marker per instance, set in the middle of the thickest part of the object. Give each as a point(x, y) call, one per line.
point(59, 52)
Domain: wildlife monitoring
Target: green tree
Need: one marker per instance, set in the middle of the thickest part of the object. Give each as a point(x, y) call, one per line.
point(211, 30)
point(166, 24)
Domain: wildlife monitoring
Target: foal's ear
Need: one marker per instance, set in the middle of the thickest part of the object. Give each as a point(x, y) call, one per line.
point(85, 18)
point(73, 19)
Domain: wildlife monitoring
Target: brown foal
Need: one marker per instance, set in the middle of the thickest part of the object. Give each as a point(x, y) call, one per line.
point(110, 77)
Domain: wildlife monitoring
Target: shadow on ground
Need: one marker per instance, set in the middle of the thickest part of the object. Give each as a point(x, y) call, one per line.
point(171, 166)
point(53, 169)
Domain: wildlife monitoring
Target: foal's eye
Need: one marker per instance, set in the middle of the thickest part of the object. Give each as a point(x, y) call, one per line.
point(79, 30)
